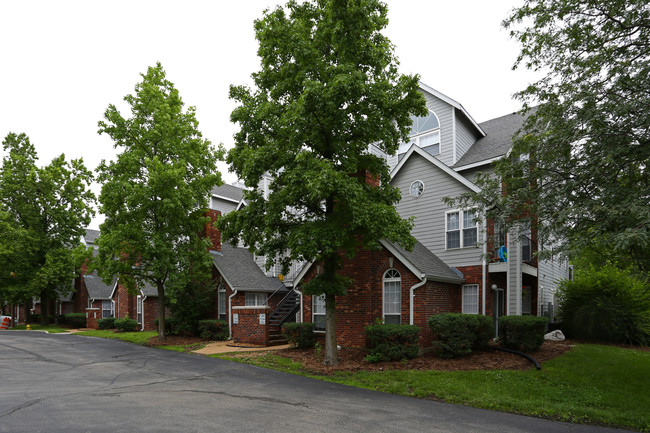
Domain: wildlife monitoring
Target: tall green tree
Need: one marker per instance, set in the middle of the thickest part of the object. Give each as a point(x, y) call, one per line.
point(328, 88)
point(155, 194)
point(43, 215)
point(580, 164)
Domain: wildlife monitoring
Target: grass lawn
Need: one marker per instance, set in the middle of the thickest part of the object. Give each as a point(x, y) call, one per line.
point(591, 384)
point(140, 337)
point(53, 329)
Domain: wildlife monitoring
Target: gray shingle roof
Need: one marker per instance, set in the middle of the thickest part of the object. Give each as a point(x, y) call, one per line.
point(228, 191)
point(96, 287)
point(428, 263)
point(497, 141)
point(242, 273)
point(148, 289)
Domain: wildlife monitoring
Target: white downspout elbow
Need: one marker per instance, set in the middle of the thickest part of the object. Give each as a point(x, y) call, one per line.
point(412, 298)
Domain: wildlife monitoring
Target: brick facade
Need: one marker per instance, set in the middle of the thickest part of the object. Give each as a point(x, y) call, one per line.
point(363, 303)
point(250, 325)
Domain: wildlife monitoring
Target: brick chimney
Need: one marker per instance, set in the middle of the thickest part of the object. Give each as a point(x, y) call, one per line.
point(211, 231)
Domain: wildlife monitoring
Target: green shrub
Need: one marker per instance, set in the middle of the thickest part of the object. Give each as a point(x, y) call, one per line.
point(606, 304)
point(457, 334)
point(189, 302)
point(107, 323)
point(60, 319)
point(388, 342)
point(126, 324)
point(213, 329)
point(522, 332)
point(299, 334)
point(76, 320)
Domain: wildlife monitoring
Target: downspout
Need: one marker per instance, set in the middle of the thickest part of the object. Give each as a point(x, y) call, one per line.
point(230, 314)
point(299, 294)
point(141, 309)
point(412, 297)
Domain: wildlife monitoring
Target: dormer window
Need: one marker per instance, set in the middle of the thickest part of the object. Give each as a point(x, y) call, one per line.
point(425, 133)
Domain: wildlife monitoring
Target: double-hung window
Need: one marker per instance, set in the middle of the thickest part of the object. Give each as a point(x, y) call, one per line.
point(461, 229)
point(392, 297)
point(470, 298)
point(318, 312)
point(138, 306)
point(255, 299)
point(222, 301)
point(425, 133)
point(107, 309)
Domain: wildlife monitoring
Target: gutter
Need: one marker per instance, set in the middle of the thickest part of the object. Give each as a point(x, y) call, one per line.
point(412, 297)
point(484, 276)
point(300, 294)
point(230, 313)
point(142, 309)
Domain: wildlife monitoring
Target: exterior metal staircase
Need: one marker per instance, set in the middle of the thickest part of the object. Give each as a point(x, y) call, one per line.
point(285, 312)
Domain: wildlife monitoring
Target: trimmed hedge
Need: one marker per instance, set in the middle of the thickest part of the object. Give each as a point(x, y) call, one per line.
point(457, 334)
point(522, 332)
point(388, 342)
point(213, 329)
point(76, 320)
point(107, 323)
point(126, 324)
point(300, 335)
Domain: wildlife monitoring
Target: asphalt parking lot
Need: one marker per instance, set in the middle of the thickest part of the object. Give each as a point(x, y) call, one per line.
point(68, 383)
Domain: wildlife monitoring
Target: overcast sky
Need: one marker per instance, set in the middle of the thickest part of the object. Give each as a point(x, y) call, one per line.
point(63, 62)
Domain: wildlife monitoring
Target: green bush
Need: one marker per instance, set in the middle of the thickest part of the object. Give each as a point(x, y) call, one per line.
point(388, 342)
point(522, 332)
point(126, 324)
point(299, 334)
point(189, 302)
point(107, 323)
point(213, 329)
point(457, 334)
point(76, 320)
point(606, 304)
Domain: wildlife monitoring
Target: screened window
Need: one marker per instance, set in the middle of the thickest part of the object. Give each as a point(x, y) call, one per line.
point(138, 303)
point(107, 309)
point(222, 301)
point(392, 297)
point(255, 299)
point(461, 230)
point(318, 312)
point(470, 298)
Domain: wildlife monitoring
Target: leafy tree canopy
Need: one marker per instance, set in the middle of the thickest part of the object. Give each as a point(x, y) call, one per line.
point(43, 215)
point(580, 164)
point(328, 90)
point(155, 194)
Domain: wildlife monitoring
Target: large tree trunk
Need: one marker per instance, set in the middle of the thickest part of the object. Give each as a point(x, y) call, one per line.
point(331, 349)
point(161, 312)
point(45, 310)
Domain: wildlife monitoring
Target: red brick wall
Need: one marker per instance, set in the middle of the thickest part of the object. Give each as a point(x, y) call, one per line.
point(363, 303)
point(93, 315)
point(150, 314)
point(211, 231)
point(248, 330)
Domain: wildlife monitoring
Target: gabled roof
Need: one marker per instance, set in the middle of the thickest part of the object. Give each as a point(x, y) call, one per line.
point(414, 149)
point(148, 290)
point(228, 192)
point(238, 268)
point(91, 236)
point(496, 143)
point(451, 102)
point(423, 263)
point(96, 287)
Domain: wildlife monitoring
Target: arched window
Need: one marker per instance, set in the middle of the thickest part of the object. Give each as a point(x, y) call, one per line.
point(221, 301)
point(425, 132)
point(392, 296)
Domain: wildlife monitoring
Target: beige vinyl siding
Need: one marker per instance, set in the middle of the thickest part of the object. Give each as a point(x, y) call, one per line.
point(429, 210)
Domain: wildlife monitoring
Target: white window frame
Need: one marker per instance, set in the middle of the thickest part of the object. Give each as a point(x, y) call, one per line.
point(411, 189)
point(415, 138)
point(221, 301)
point(256, 299)
point(110, 309)
point(470, 298)
point(138, 309)
point(318, 310)
point(390, 277)
point(461, 228)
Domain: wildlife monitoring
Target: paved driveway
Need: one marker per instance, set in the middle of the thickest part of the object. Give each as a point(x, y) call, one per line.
point(68, 383)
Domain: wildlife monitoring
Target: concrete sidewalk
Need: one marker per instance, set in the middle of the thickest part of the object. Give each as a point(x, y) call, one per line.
point(229, 346)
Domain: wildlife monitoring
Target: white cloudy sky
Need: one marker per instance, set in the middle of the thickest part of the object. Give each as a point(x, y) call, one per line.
point(64, 61)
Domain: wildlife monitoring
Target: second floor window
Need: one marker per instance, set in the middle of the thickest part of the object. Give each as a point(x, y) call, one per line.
point(461, 229)
point(425, 133)
point(255, 299)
